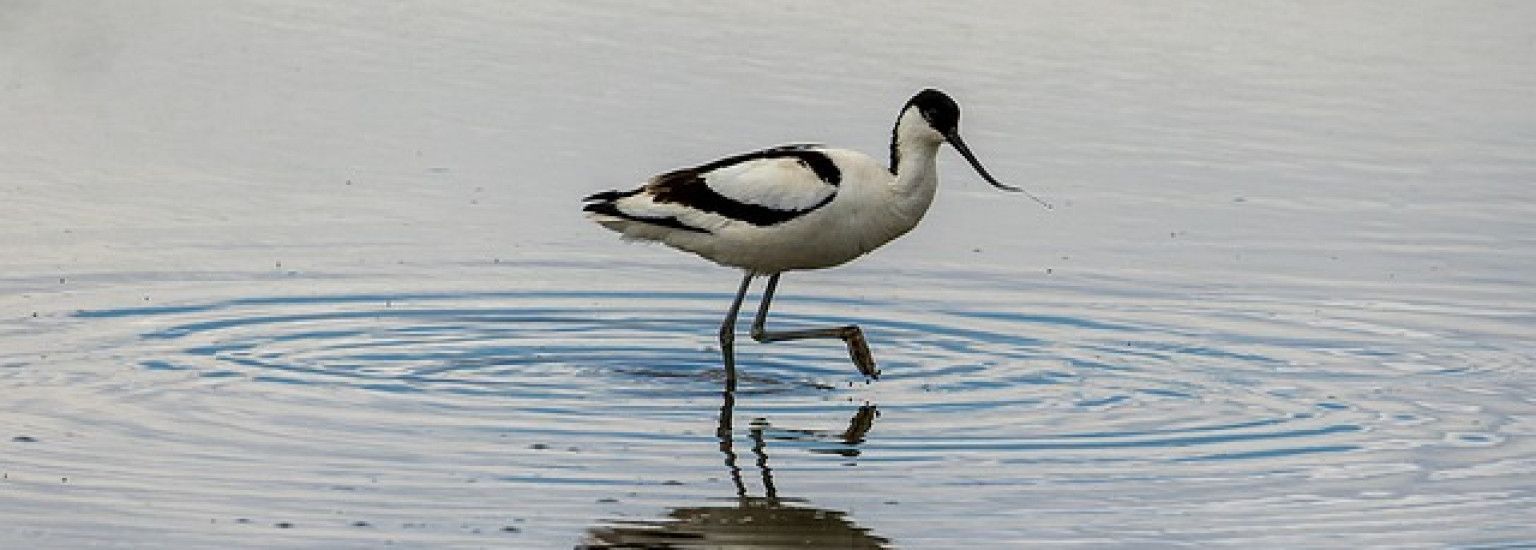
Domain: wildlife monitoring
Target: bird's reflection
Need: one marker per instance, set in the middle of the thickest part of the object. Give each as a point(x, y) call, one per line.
point(767, 521)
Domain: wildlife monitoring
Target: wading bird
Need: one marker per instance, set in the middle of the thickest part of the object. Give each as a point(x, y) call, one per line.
point(794, 207)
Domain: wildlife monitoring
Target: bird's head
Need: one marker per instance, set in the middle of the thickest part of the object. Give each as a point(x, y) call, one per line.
point(932, 117)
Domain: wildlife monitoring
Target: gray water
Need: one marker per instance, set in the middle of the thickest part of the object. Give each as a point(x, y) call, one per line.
point(304, 275)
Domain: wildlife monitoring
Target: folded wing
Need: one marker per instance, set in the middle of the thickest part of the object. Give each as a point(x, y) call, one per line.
point(761, 188)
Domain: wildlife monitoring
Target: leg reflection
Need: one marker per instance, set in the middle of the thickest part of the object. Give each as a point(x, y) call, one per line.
point(747, 521)
point(723, 432)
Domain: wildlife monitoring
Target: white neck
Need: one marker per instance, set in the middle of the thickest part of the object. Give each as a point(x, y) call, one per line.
point(913, 148)
point(916, 171)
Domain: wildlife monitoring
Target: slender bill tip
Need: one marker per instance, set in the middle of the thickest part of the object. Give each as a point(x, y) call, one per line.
point(954, 139)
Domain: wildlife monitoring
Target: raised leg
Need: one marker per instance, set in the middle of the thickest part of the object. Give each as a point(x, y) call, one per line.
point(858, 349)
point(728, 334)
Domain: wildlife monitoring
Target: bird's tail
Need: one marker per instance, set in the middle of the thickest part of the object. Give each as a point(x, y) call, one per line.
point(634, 214)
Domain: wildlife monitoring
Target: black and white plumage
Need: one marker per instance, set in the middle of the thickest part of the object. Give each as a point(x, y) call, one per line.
point(757, 211)
point(794, 207)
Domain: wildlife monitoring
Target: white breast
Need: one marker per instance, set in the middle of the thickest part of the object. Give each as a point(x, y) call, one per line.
point(863, 215)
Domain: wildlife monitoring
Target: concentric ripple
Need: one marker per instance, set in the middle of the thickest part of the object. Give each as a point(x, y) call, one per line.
point(1056, 414)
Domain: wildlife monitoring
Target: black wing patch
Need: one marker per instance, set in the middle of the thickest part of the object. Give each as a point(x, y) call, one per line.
point(686, 186)
point(607, 208)
point(804, 152)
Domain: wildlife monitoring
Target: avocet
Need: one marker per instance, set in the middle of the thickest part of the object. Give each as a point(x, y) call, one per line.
point(794, 207)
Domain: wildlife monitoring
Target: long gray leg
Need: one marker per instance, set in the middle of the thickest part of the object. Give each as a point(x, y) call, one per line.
point(728, 334)
point(858, 349)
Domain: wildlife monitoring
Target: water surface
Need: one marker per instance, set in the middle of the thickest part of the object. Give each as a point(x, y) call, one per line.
point(300, 276)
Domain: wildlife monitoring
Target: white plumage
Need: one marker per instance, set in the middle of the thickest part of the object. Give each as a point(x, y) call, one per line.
point(861, 214)
point(794, 207)
point(783, 183)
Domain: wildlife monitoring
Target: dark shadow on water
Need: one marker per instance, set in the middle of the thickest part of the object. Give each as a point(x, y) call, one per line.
point(745, 521)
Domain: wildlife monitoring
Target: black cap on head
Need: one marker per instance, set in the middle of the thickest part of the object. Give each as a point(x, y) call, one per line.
point(941, 112)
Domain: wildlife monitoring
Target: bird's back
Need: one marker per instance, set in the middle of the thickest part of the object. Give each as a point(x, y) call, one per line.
point(790, 207)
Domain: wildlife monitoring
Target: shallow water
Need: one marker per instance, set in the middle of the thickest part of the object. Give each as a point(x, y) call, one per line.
point(294, 276)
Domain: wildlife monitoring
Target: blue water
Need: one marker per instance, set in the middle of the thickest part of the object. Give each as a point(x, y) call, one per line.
point(300, 275)
point(560, 412)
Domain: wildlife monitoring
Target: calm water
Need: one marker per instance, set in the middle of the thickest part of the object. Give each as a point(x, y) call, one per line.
point(298, 276)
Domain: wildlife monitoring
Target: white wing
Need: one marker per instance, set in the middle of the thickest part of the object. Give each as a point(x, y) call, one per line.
point(761, 188)
point(780, 183)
